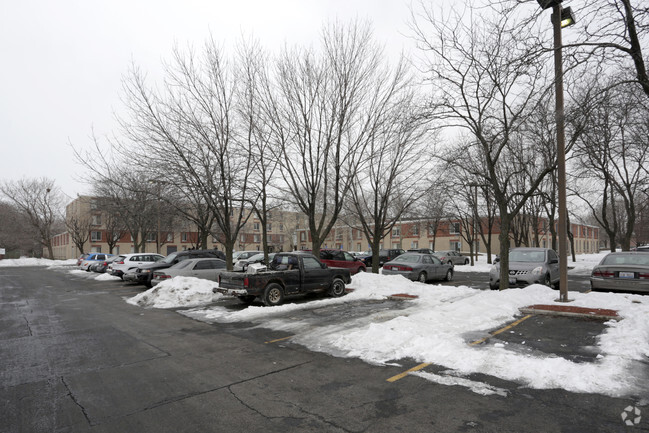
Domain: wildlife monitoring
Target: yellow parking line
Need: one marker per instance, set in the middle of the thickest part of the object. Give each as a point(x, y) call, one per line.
point(279, 339)
point(426, 364)
point(405, 373)
point(511, 325)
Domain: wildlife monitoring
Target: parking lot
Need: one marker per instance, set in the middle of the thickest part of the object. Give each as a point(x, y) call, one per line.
point(79, 358)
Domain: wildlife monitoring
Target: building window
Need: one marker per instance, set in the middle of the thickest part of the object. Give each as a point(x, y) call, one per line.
point(415, 230)
point(281, 227)
point(256, 238)
point(303, 236)
point(150, 237)
point(93, 204)
point(96, 220)
point(170, 237)
point(414, 245)
point(270, 227)
point(396, 231)
point(255, 226)
point(454, 228)
point(455, 245)
point(243, 238)
point(184, 237)
point(95, 237)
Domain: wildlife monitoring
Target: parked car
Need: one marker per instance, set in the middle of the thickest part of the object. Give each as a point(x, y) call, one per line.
point(528, 266)
point(144, 273)
point(341, 259)
point(207, 269)
point(384, 256)
point(453, 257)
point(242, 264)
point(289, 274)
point(92, 258)
point(622, 271)
point(419, 267)
point(101, 267)
point(130, 262)
point(81, 258)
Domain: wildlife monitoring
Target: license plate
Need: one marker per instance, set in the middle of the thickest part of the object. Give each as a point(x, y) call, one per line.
point(627, 275)
point(395, 268)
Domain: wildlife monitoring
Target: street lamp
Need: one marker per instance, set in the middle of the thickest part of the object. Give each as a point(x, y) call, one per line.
point(560, 18)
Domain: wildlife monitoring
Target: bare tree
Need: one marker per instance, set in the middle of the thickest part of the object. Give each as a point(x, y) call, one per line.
point(191, 132)
point(487, 76)
point(17, 237)
point(41, 201)
point(395, 178)
point(325, 113)
point(612, 156)
point(79, 227)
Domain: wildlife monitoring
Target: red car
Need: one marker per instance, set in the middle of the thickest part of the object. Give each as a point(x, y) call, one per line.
point(342, 259)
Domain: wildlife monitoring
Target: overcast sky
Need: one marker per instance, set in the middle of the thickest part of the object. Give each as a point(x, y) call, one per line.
point(62, 61)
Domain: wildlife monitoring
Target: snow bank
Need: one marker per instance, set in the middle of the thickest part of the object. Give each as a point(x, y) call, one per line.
point(177, 292)
point(31, 261)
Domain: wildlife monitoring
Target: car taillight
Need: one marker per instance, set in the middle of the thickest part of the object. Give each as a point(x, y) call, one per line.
point(162, 276)
point(120, 263)
point(246, 283)
point(603, 274)
point(402, 268)
point(643, 275)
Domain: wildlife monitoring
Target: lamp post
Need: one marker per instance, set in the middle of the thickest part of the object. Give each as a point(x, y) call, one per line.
point(560, 18)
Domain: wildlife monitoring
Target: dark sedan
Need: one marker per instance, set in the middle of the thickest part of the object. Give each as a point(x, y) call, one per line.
point(419, 267)
point(626, 271)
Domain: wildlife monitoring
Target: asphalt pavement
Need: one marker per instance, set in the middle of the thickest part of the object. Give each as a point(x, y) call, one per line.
point(77, 358)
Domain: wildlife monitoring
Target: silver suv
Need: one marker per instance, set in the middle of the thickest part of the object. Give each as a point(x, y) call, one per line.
point(528, 266)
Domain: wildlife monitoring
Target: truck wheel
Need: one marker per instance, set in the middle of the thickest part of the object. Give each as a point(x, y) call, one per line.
point(273, 295)
point(337, 288)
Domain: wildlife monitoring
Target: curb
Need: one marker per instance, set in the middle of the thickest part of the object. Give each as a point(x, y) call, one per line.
point(402, 297)
point(570, 311)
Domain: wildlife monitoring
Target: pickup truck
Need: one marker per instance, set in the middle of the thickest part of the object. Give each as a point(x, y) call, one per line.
point(289, 274)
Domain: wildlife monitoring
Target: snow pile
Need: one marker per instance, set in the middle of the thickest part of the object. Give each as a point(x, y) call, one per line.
point(177, 292)
point(31, 261)
point(106, 277)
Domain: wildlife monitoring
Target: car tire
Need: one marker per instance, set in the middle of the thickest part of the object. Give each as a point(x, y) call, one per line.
point(494, 286)
point(337, 288)
point(449, 275)
point(273, 295)
point(546, 281)
point(422, 277)
point(466, 261)
point(557, 285)
point(361, 269)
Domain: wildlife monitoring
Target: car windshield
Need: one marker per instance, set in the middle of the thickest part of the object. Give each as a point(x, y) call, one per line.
point(170, 258)
point(527, 256)
point(626, 259)
point(256, 257)
point(408, 258)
